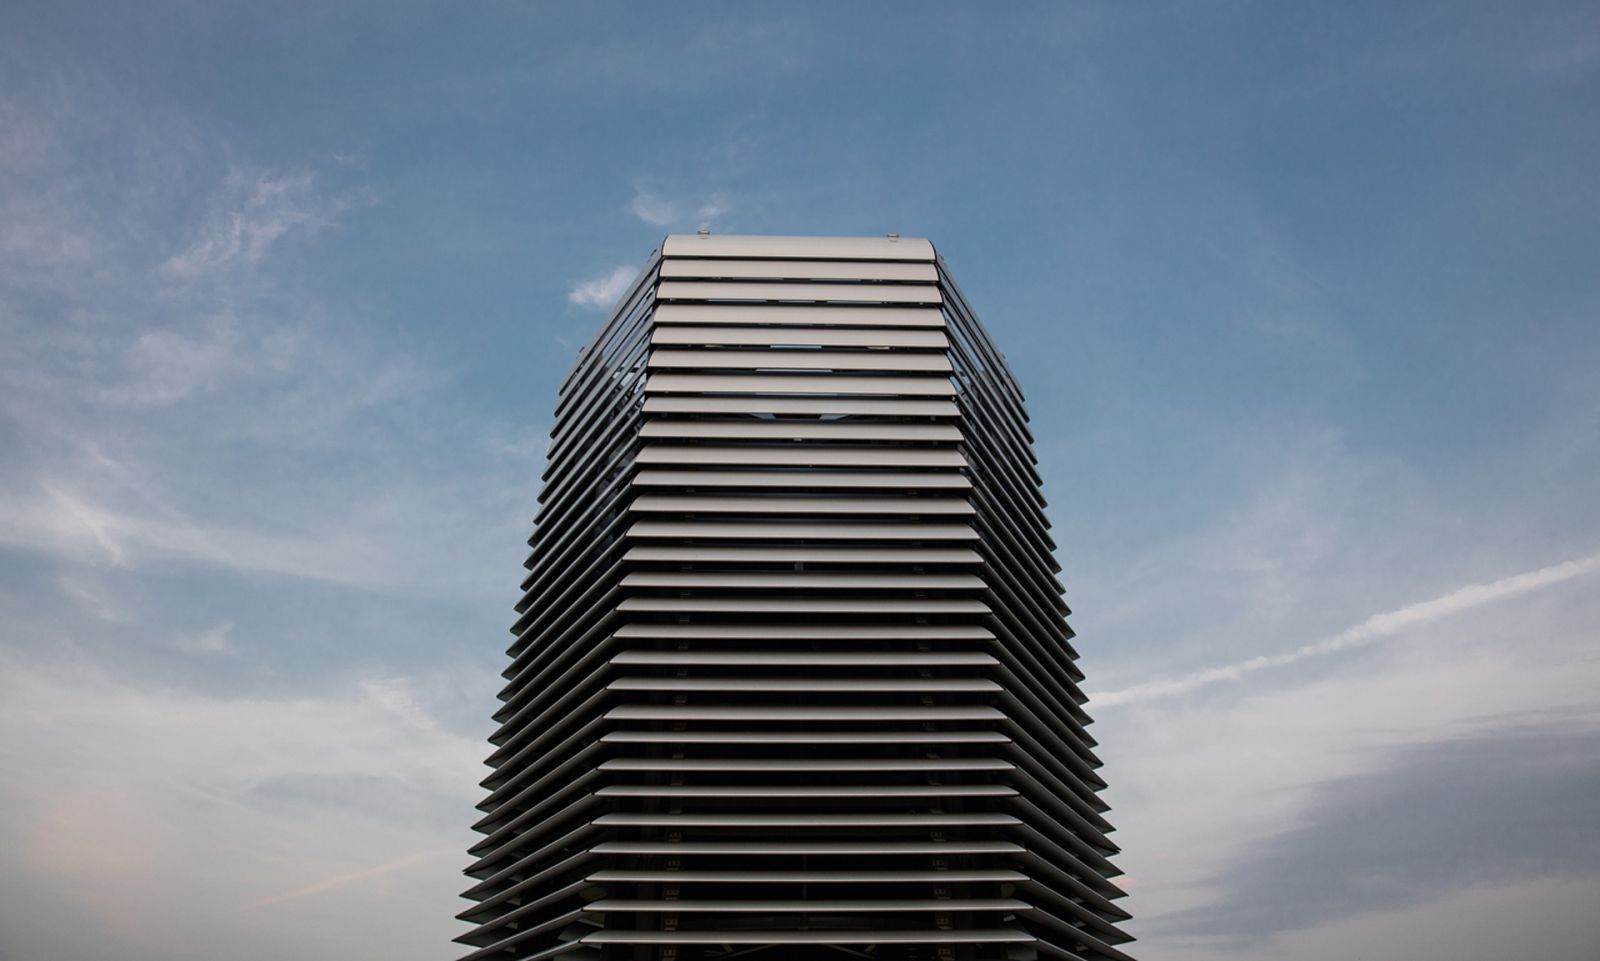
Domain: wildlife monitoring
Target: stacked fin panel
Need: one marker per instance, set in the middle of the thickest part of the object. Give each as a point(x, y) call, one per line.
point(792, 675)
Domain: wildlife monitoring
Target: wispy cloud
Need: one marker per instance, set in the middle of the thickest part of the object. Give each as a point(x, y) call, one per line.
point(166, 364)
point(1386, 624)
point(147, 803)
point(144, 387)
point(653, 209)
point(602, 292)
point(1203, 784)
point(659, 211)
point(712, 209)
point(350, 877)
point(36, 524)
point(211, 641)
point(253, 211)
point(362, 544)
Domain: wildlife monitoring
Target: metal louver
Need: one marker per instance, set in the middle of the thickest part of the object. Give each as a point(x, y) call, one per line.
point(792, 676)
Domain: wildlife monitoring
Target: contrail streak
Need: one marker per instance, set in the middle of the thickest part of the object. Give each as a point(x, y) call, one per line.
point(1373, 628)
point(317, 887)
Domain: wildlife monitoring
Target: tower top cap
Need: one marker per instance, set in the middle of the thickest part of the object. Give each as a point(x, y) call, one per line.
point(753, 246)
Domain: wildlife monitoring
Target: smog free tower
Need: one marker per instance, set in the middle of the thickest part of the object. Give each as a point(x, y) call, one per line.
point(792, 675)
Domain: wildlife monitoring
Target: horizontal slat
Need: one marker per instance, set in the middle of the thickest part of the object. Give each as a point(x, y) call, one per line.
point(807, 658)
point(811, 315)
point(800, 293)
point(679, 268)
point(802, 582)
point(682, 712)
point(840, 685)
point(803, 605)
point(808, 632)
point(564, 951)
point(901, 361)
point(819, 905)
point(790, 555)
point(820, 821)
point(770, 336)
point(807, 791)
point(838, 532)
point(793, 764)
point(805, 737)
point(752, 877)
point(808, 847)
point(801, 430)
point(796, 248)
point(844, 479)
point(857, 406)
point(758, 504)
point(801, 456)
point(930, 936)
point(663, 383)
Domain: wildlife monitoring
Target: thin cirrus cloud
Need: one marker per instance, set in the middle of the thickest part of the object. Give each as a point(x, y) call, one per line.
point(189, 349)
point(600, 292)
point(214, 640)
point(659, 211)
point(1410, 776)
point(1386, 624)
point(257, 208)
point(653, 209)
point(147, 804)
point(352, 877)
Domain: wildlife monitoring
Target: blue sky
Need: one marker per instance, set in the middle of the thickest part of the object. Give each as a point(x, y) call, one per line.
point(1304, 299)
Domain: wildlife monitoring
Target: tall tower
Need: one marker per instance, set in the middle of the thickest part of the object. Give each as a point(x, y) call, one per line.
point(792, 676)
